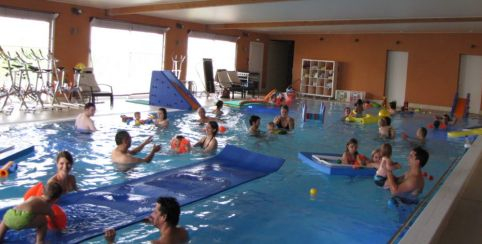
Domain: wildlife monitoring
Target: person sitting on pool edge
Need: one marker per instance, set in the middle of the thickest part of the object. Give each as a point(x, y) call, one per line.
point(122, 155)
point(83, 122)
point(32, 213)
point(165, 217)
point(407, 187)
point(284, 121)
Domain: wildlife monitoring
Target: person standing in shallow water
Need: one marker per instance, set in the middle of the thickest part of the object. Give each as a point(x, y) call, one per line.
point(122, 155)
point(83, 122)
point(65, 161)
point(284, 121)
point(208, 143)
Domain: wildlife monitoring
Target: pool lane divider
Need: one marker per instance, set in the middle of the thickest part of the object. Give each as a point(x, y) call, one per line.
point(12, 153)
point(90, 212)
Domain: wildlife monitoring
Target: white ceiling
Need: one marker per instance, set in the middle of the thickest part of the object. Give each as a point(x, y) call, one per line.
point(316, 10)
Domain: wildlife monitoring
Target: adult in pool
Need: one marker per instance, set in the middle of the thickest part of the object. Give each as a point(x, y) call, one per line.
point(122, 155)
point(165, 217)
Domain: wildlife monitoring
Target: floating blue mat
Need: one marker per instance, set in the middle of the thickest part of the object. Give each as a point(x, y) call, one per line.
point(10, 153)
point(260, 109)
point(327, 163)
point(90, 212)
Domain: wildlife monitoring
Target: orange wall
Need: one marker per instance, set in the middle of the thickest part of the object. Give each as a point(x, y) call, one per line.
point(72, 33)
point(432, 66)
point(433, 61)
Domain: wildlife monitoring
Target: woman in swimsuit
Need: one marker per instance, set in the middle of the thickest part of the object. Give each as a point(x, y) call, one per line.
point(63, 176)
point(284, 121)
point(162, 120)
point(208, 143)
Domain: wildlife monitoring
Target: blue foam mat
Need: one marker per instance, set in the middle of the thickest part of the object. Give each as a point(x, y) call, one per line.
point(13, 153)
point(90, 212)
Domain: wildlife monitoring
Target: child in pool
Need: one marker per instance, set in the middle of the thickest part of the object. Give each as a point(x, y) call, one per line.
point(137, 119)
point(359, 108)
point(386, 163)
point(419, 136)
point(254, 122)
point(273, 130)
point(376, 158)
point(351, 155)
point(217, 111)
point(346, 113)
point(180, 144)
point(385, 129)
point(32, 213)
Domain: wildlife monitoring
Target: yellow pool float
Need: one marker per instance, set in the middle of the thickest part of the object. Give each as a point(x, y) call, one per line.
point(366, 119)
point(466, 132)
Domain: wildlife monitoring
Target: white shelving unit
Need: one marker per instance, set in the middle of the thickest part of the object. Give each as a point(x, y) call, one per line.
point(318, 78)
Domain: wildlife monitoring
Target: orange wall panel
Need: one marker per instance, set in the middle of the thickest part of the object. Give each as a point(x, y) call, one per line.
point(433, 61)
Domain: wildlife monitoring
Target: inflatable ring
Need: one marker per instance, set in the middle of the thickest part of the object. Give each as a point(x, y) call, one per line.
point(383, 113)
point(60, 222)
point(183, 146)
point(367, 119)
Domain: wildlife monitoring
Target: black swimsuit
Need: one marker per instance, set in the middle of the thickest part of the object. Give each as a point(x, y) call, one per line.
point(208, 142)
point(280, 125)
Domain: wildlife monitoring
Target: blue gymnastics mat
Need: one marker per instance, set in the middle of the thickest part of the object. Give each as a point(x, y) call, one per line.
point(90, 212)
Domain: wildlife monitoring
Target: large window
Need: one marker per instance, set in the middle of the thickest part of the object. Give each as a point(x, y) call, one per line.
point(221, 49)
point(25, 30)
point(124, 55)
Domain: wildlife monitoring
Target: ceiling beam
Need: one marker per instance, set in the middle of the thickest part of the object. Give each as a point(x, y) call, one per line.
point(341, 22)
point(181, 5)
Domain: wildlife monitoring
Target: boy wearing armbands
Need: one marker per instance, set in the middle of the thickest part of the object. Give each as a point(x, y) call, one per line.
point(32, 213)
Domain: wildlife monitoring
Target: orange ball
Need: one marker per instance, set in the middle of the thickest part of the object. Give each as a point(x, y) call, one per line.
point(222, 129)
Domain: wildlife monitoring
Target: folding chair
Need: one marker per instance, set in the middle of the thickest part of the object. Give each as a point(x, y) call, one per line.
point(232, 84)
point(89, 87)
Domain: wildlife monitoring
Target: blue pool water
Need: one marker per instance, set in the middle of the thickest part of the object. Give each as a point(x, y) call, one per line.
point(276, 208)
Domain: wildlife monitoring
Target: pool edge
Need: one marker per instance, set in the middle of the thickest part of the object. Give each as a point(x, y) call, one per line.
point(432, 221)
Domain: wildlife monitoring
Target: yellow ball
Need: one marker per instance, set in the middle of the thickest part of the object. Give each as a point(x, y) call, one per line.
point(313, 191)
point(383, 113)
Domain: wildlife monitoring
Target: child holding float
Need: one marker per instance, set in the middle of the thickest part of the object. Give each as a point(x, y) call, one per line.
point(32, 214)
point(351, 155)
